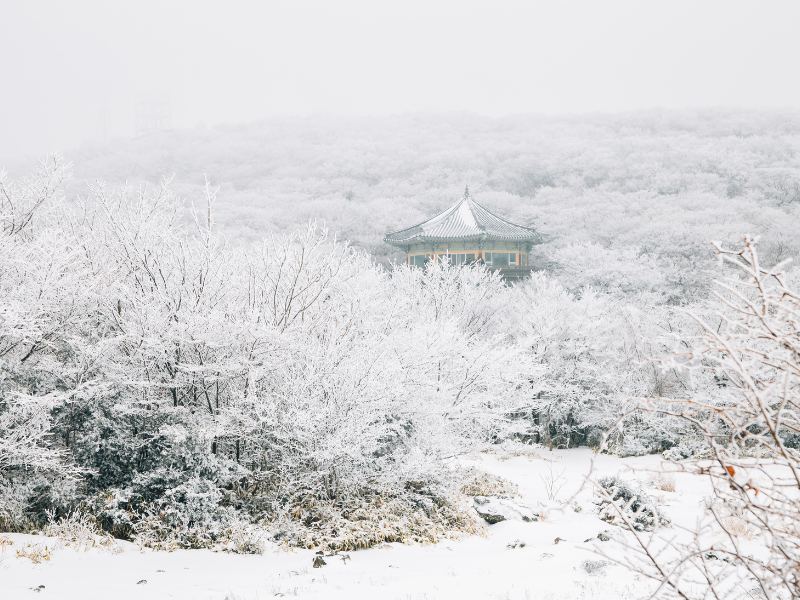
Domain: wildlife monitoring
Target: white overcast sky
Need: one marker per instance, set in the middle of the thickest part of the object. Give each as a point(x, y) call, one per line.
point(75, 71)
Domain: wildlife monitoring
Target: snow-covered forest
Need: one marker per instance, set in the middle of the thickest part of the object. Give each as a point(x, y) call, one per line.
point(204, 343)
point(645, 190)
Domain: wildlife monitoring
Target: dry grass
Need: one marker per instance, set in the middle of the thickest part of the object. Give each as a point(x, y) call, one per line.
point(738, 527)
point(513, 449)
point(480, 483)
point(369, 522)
point(79, 531)
point(35, 553)
point(664, 482)
point(241, 537)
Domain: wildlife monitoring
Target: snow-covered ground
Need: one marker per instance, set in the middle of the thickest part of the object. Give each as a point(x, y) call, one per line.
point(514, 560)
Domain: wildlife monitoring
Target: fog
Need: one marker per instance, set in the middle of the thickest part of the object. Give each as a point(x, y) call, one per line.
point(89, 71)
point(578, 377)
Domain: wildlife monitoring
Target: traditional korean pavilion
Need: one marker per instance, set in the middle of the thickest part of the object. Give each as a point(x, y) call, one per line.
point(465, 233)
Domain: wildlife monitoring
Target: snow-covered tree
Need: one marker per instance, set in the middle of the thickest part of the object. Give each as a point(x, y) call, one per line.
point(749, 423)
point(594, 355)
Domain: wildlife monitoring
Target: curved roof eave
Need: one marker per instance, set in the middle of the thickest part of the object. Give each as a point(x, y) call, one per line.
point(534, 238)
point(466, 220)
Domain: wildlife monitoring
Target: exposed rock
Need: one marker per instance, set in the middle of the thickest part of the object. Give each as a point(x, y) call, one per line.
point(494, 510)
point(318, 562)
point(603, 536)
point(491, 518)
point(593, 567)
point(515, 544)
point(141, 582)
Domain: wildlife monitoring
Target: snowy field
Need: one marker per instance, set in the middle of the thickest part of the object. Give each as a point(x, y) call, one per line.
point(514, 560)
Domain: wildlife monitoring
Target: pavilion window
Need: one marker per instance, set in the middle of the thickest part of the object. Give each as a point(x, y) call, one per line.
point(498, 259)
point(461, 258)
point(419, 260)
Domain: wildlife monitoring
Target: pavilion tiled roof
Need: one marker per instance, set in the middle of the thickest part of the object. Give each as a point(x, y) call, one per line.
point(466, 220)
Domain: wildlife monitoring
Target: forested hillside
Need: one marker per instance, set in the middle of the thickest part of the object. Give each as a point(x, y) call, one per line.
point(203, 370)
point(626, 202)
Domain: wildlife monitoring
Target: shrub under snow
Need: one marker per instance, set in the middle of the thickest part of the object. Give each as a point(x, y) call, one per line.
point(625, 504)
point(182, 388)
point(187, 385)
